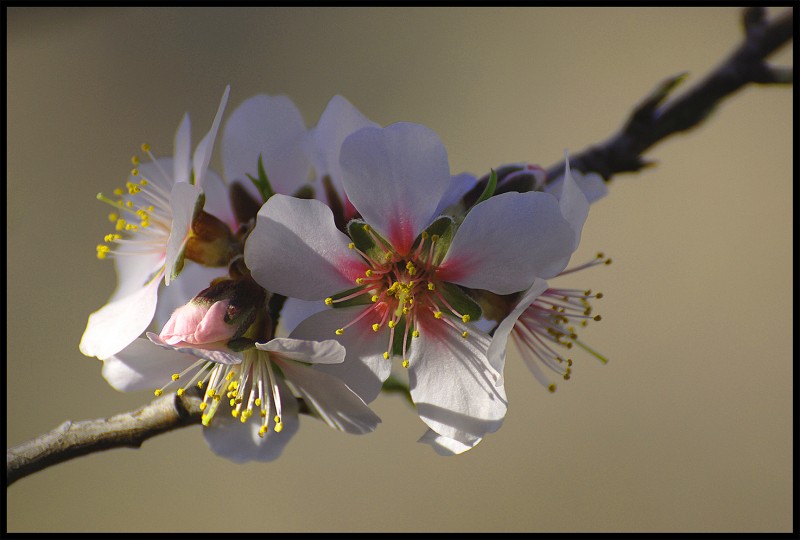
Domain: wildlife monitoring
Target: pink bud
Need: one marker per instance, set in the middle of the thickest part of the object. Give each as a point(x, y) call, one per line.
point(196, 323)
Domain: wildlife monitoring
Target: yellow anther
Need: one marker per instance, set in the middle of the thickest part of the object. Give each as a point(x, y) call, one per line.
point(258, 402)
point(386, 355)
point(599, 295)
point(597, 317)
point(151, 208)
point(339, 331)
point(391, 324)
point(235, 413)
point(203, 406)
point(263, 414)
point(415, 333)
point(111, 237)
point(112, 217)
point(143, 182)
point(569, 361)
point(212, 393)
point(232, 402)
point(587, 292)
point(243, 418)
point(278, 427)
point(375, 327)
point(134, 172)
point(405, 311)
point(181, 391)
point(374, 298)
point(230, 375)
point(328, 301)
point(465, 334)
point(552, 388)
point(359, 280)
point(431, 286)
point(262, 431)
point(405, 363)
point(277, 419)
point(424, 235)
point(368, 273)
point(608, 261)
point(134, 160)
point(435, 238)
point(367, 228)
point(205, 420)
point(600, 255)
point(158, 392)
point(118, 191)
point(129, 204)
point(465, 318)
point(566, 376)
point(437, 314)
point(176, 376)
point(351, 245)
point(145, 147)
point(102, 251)
point(131, 227)
point(200, 385)
point(387, 255)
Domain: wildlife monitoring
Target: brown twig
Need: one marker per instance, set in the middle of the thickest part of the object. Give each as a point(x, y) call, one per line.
point(651, 122)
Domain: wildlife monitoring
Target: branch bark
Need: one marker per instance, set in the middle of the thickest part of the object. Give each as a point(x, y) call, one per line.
point(651, 122)
point(648, 124)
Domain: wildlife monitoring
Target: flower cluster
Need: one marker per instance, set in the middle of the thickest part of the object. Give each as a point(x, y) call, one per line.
point(359, 246)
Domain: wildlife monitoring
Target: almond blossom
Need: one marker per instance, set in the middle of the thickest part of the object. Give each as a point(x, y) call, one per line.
point(397, 285)
point(159, 221)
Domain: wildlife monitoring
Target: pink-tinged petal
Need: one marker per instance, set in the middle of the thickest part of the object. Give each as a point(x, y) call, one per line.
point(271, 127)
point(395, 177)
point(193, 279)
point(335, 403)
point(143, 366)
point(218, 202)
point(323, 142)
point(185, 201)
point(198, 324)
point(452, 383)
point(296, 250)
point(202, 154)
point(239, 442)
point(182, 165)
point(213, 355)
point(310, 352)
point(497, 349)
point(508, 240)
point(573, 204)
point(296, 311)
point(364, 368)
point(591, 184)
point(459, 185)
point(445, 446)
point(114, 326)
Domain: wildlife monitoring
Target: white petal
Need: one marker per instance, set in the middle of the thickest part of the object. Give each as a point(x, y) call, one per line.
point(497, 349)
point(220, 357)
point(202, 154)
point(183, 151)
point(218, 202)
point(143, 366)
point(364, 369)
point(335, 403)
point(272, 127)
point(296, 250)
point(395, 177)
point(114, 326)
point(459, 185)
point(452, 383)
point(592, 185)
point(184, 201)
point(573, 204)
point(239, 442)
point(323, 142)
point(312, 352)
point(445, 446)
point(508, 240)
point(295, 311)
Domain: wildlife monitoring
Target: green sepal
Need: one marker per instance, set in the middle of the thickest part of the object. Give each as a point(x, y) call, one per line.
point(365, 241)
point(460, 300)
point(397, 342)
point(489, 190)
point(445, 228)
point(305, 192)
point(262, 183)
point(360, 300)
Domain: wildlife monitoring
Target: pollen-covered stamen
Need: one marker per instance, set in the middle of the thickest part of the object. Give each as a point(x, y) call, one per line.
point(599, 259)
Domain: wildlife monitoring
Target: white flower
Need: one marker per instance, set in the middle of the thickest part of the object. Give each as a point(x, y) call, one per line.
point(398, 276)
point(153, 219)
point(259, 383)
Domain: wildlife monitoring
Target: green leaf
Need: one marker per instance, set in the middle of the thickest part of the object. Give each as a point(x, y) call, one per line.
point(262, 183)
point(489, 190)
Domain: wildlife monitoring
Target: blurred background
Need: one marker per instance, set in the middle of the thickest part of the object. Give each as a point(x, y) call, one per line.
point(687, 428)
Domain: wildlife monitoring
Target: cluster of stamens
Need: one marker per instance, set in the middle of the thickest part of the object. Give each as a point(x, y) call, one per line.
point(402, 290)
point(548, 324)
point(248, 388)
point(141, 210)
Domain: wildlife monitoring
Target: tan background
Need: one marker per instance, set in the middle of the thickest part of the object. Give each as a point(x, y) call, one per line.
point(688, 428)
